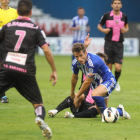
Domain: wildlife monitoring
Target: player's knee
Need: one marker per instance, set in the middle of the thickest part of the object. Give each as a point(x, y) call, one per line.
point(36, 105)
point(118, 69)
point(94, 94)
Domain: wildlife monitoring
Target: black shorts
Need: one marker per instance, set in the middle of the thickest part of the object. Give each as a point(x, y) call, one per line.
point(114, 51)
point(26, 85)
point(84, 106)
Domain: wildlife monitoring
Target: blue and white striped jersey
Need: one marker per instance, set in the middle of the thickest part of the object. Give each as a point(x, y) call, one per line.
point(93, 68)
point(79, 35)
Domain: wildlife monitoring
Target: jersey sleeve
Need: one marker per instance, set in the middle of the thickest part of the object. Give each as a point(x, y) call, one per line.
point(103, 20)
point(41, 38)
point(88, 22)
point(2, 33)
point(75, 69)
point(73, 23)
point(126, 21)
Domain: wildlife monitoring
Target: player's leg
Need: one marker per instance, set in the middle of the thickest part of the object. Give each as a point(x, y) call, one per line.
point(122, 112)
point(5, 84)
point(102, 91)
point(98, 95)
point(108, 49)
point(29, 89)
point(118, 59)
point(89, 113)
point(106, 101)
point(4, 98)
point(63, 105)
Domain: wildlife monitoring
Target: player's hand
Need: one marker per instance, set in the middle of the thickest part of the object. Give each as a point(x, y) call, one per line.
point(76, 104)
point(72, 95)
point(54, 77)
point(106, 31)
point(77, 28)
point(123, 30)
point(87, 40)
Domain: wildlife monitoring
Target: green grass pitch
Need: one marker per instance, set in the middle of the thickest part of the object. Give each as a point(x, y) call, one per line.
point(17, 119)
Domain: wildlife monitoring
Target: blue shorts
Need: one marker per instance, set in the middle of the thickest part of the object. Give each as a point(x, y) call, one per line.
point(75, 41)
point(110, 85)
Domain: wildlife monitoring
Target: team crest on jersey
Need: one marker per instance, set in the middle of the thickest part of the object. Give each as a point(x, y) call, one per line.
point(87, 70)
point(117, 21)
point(90, 70)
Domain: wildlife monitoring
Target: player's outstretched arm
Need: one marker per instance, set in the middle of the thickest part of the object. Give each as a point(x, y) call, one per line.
point(50, 60)
point(87, 41)
point(74, 80)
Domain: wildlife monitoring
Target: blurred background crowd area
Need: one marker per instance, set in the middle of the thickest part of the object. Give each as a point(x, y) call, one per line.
point(55, 17)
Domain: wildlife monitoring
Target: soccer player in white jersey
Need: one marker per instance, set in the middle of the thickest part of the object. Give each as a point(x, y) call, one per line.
point(80, 26)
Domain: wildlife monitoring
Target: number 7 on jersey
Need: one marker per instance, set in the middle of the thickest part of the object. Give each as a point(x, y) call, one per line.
point(21, 35)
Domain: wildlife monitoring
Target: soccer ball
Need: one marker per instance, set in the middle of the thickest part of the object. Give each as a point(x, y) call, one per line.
point(111, 115)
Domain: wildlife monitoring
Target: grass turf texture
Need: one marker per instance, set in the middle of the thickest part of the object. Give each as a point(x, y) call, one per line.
point(17, 117)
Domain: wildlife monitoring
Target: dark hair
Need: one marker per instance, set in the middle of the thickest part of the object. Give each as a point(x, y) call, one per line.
point(24, 7)
point(103, 55)
point(115, 0)
point(77, 47)
point(79, 8)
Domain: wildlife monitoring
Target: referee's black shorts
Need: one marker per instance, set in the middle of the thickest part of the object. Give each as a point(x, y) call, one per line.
point(114, 51)
point(26, 85)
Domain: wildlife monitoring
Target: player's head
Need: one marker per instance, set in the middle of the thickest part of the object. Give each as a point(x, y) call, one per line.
point(4, 2)
point(116, 5)
point(80, 11)
point(103, 56)
point(79, 51)
point(24, 8)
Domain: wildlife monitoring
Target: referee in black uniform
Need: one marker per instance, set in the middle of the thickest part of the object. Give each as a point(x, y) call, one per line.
point(18, 68)
point(116, 25)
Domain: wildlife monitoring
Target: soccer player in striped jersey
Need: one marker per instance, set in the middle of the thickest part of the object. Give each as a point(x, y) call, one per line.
point(80, 26)
point(6, 15)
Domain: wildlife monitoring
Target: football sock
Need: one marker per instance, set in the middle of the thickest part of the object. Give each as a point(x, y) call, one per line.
point(120, 112)
point(65, 104)
point(90, 113)
point(40, 112)
point(100, 102)
point(117, 75)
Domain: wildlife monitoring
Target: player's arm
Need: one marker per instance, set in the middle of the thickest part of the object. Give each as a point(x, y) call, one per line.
point(88, 28)
point(104, 30)
point(83, 88)
point(125, 29)
point(73, 26)
point(50, 60)
point(74, 80)
point(101, 24)
point(87, 41)
point(2, 33)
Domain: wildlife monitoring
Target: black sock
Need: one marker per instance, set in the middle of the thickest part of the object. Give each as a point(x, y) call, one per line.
point(90, 113)
point(1, 95)
point(40, 111)
point(65, 104)
point(117, 75)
